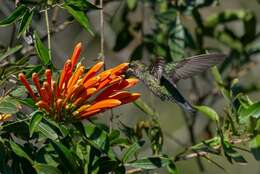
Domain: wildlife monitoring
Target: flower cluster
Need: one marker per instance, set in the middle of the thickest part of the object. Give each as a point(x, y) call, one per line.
point(80, 95)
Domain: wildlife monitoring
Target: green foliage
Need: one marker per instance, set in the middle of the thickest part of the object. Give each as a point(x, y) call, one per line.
point(42, 51)
point(32, 143)
point(80, 17)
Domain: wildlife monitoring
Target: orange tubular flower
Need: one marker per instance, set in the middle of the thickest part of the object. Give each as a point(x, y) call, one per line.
point(80, 95)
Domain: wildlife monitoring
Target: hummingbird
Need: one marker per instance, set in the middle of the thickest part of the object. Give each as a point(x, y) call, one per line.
point(161, 77)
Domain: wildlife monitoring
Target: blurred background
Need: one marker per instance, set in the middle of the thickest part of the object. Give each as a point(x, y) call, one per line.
point(136, 30)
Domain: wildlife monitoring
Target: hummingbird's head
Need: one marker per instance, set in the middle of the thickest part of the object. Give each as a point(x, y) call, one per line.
point(137, 66)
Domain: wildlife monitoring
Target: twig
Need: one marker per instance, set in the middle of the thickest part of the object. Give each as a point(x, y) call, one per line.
point(131, 171)
point(205, 153)
point(101, 54)
point(48, 32)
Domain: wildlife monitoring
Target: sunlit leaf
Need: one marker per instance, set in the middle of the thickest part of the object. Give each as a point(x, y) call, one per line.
point(82, 5)
point(132, 150)
point(15, 15)
point(35, 121)
point(255, 147)
point(131, 4)
point(252, 111)
point(46, 169)
point(209, 112)
point(9, 105)
point(98, 139)
point(144, 107)
point(149, 163)
point(26, 20)
point(232, 154)
point(81, 17)
point(47, 131)
point(42, 51)
point(172, 168)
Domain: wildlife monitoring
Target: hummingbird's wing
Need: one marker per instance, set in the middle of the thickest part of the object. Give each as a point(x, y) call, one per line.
point(193, 65)
point(156, 69)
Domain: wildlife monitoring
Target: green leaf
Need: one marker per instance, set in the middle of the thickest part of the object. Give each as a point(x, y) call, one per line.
point(132, 150)
point(220, 84)
point(46, 169)
point(19, 151)
point(47, 131)
point(25, 23)
point(10, 51)
point(211, 113)
point(232, 154)
point(9, 105)
point(80, 17)
point(35, 121)
point(131, 4)
point(176, 40)
point(144, 107)
point(172, 168)
point(255, 147)
point(251, 111)
point(98, 139)
point(42, 51)
point(15, 15)
point(81, 5)
point(149, 163)
point(66, 157)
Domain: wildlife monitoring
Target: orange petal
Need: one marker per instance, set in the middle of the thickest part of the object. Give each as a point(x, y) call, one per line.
point(120, 95)
point(47, 87)
point(90, 113)
point(115, 80)
point(45, 96)
point(104, 75)
point(104, 79)
point(23, 79)
point(36, 82)
point(75, 55)
point(43, 105)
point(111, 89)
point(53, 86)
point(92, 72)
point(131, 98)
point(86, 94)
point(78, 72)
point(104, 104)
point(103, 83)
point(64, 72)
point(131, 82)
point(59, 105)
point(48, 75)
point(92, 82)
point(74, 89)
point(118, 70)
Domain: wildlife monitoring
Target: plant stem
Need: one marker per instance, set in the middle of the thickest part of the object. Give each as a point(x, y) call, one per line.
point(48, 32)
point(101, 54)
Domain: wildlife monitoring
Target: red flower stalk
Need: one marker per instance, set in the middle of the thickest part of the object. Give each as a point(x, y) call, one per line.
point(80, 95)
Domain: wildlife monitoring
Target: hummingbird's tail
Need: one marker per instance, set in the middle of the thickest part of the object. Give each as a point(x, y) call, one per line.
point(187, 106)
point(176, 96)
